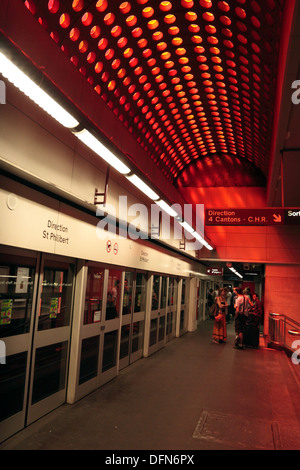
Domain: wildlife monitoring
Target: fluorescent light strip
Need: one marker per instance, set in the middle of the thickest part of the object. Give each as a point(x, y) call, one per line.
point(136, 181)
point(187, 227)
point(236, 273)
point(20, 80)
point(201, 240)
point(94, 144)
point(168, 209)
point(190, 229)
point(207, 245)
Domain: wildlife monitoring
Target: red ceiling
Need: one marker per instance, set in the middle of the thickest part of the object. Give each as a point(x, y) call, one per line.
point(220, 170)
point(191, 80)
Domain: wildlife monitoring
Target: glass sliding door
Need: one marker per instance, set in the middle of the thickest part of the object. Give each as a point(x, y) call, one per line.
point(16, 292)
point(91, 332)
point(109, 353)
point(138, 320)
point(163, 311)
point(36, 301)
point(89, 359)
point(126, 319)
point(49, 371)
point(93, 308)
point(51, 339)
point(111, 325)
point(201, 305)
point(172, 309)
point(133, 318)
point(153, 332)
point(113, 294)
point(18, 286)
point(183, 307)
point(12, 387)
point(99, 333)
point(157, 332)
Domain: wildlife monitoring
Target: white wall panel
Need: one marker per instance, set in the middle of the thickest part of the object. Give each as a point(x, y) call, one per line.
point(38, 222)
point(26, 144)
point(64, 164)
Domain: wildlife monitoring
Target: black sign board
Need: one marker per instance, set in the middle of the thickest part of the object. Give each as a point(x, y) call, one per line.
point(267, 216)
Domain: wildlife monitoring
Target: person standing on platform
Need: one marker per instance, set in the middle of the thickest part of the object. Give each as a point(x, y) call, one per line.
point(256, 309)
point(216, 292)
point(242, 306)
point(219, 329)
point(228, 300)
point(210, 303)
point(251, 333)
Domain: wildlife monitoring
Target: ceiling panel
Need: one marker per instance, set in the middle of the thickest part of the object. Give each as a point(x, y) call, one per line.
point(189, 79)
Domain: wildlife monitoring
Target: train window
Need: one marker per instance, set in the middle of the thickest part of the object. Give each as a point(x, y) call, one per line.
point(137, 336)
point(183, 291)
point(12, 379)
point(172, 294)
point(127, 293)
point(109, 350)
point(93, 295)
point(56, 295)
point(155, 292)
point(113, 294)
point(89, 359)
point(16, 289)
point(49, 370)
point(163, 297)
point(140, 293)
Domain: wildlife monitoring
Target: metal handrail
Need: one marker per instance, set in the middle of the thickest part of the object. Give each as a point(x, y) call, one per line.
point(295, 333)
point(282, 330)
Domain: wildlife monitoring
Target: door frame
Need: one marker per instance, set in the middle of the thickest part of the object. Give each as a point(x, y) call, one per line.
point(131, 318)
point(21, 343)
point(49, 337)
point(81, 331)
point(157, 314)
point(181, 327)
point(172, 309)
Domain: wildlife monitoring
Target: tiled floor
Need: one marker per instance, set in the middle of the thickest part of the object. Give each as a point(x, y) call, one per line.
point(191, 395)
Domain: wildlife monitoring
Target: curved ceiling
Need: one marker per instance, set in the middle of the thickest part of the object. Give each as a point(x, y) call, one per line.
point(221, 170)
point(189, 79)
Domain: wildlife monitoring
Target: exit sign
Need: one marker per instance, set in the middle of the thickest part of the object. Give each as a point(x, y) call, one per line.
point(267, 216)
point(214, 271)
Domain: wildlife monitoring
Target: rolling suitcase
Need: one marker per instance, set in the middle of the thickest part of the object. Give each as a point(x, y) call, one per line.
point(251, 333)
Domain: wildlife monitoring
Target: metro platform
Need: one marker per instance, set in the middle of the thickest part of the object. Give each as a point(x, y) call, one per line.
point(191, 395)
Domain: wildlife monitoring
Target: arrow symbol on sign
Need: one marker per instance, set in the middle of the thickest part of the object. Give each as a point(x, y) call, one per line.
point(277, 218)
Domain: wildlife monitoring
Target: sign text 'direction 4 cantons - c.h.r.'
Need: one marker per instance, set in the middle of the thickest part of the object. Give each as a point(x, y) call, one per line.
point(267, 216)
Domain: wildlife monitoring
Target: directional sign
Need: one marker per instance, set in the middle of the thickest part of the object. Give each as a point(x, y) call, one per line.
point(292, 216)
point(267, 216)
point(215, 271)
